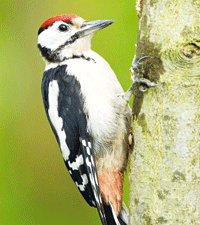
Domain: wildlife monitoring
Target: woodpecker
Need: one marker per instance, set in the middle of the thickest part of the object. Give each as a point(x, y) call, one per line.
point(88, 113)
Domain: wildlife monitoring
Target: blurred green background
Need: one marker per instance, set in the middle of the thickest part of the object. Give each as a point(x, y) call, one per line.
point(35, 186)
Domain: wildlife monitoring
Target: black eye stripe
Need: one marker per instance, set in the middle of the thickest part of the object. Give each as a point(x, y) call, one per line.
point(63, 27)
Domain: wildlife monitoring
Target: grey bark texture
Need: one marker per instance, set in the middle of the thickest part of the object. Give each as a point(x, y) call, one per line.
point(164, 173)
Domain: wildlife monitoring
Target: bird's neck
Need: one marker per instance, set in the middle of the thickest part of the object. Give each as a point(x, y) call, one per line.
point(88, 55)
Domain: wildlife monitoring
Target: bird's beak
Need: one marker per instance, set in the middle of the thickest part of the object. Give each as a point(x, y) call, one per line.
point(93, 26)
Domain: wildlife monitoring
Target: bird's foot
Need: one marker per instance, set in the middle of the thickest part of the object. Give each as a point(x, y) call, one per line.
point(137, 72)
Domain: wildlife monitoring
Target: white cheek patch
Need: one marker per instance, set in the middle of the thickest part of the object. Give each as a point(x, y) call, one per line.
point(52, 38)
point(55, 119)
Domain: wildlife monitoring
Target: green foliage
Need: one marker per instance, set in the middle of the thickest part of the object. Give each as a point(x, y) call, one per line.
point(35, 186)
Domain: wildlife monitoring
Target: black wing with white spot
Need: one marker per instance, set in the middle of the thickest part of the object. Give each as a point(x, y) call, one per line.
point(64, 108)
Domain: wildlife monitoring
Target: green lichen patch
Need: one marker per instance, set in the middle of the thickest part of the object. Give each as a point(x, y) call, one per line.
point(178, 176)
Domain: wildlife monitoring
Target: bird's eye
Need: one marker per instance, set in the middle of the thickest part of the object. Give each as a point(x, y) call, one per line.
point(63, 27)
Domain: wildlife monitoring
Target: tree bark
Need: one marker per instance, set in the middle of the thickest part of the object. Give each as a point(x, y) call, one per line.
point(164, 173)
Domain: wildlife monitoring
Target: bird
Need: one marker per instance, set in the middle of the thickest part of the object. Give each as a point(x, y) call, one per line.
point(88, 112)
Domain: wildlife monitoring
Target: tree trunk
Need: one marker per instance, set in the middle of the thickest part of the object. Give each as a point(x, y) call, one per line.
point(165, 163)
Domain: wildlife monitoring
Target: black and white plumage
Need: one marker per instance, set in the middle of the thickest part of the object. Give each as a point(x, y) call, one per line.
point(88, 113)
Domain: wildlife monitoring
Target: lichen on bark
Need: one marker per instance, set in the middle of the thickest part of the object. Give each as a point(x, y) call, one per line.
point(165, 164)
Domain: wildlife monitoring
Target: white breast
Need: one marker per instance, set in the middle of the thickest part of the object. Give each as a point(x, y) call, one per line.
point(99, 87)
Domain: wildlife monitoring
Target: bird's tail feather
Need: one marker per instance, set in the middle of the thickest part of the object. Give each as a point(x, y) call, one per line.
point(112, 218)
point(124, 215)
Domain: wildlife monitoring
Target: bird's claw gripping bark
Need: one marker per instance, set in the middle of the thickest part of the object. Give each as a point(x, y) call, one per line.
point(137, 71)
point(146, 84)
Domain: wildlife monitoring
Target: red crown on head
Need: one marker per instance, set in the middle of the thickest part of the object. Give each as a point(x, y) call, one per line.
point(51, 20)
